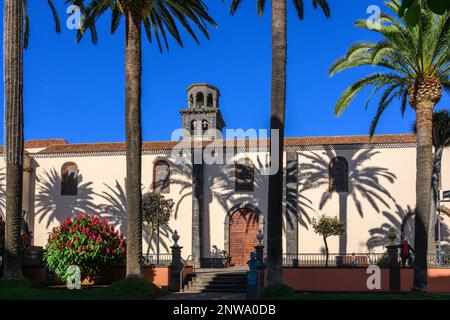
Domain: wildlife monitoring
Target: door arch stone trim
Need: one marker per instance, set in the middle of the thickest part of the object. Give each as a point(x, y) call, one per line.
point(243, 205)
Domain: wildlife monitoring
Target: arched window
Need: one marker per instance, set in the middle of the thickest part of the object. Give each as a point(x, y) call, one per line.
point(69, 179)
point(200, 100)
point(161, 177)
point(244, 175)
point(338, 175)
point(204, 125)
point(210, 101)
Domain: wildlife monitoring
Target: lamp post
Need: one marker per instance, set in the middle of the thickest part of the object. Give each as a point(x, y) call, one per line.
point(259, 248)
point(176, 267)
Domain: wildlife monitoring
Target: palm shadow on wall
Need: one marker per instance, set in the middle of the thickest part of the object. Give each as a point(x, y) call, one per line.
point(114, 209)
point(296, 205)
point(365, 183)
point(402, 220)
point(51, 206)
point(220, 187)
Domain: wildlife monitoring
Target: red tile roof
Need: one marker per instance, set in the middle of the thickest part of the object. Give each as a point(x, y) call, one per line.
point(44, 143)
point(65, 147)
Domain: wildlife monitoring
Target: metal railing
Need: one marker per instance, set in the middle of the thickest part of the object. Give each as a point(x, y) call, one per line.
point(354, 260)
point(334, 259)
point(164, 259)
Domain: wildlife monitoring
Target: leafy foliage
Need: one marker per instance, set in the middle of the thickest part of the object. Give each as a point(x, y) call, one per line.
point(159, 18)
point(26, 20)
point(328, 226)
point(87, 242)
point(410, 9)
point(408, 54)
point(25, 236)
point(156, 209)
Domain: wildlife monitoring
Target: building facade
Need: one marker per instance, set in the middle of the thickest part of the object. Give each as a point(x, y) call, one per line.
point(369, 184)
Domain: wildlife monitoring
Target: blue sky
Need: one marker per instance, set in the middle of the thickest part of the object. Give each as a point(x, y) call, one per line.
point(76, 91)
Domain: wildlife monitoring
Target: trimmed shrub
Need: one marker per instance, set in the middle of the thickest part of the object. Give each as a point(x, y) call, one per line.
point(87, 242)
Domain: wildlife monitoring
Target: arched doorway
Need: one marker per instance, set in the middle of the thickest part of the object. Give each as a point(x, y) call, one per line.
point(244, 226)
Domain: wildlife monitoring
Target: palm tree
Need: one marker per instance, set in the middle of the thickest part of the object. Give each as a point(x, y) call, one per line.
point(277, 121)
point(160, 19)
point(15, 39)
point(417, 63)
point(441, 140)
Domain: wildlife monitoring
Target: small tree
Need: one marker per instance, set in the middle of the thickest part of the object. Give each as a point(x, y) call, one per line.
point(156, 212)
point(327, 227)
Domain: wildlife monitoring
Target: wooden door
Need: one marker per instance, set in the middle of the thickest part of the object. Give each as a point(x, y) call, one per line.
point(244, 226)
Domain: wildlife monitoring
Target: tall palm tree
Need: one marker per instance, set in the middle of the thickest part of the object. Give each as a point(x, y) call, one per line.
point(15, 39)
point(441, 140)
point(416, 62)
point(277, 121)
point(159, 18)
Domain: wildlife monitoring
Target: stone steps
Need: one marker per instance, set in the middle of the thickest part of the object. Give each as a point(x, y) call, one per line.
point(220, 281)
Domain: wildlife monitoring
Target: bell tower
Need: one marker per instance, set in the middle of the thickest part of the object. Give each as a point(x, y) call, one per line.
point(203, 111)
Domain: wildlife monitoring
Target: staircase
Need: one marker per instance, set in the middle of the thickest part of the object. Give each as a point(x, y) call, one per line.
point(216, 280)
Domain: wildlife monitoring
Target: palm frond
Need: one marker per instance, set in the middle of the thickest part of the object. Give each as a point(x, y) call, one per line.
point(160, 19)
point(408, 53)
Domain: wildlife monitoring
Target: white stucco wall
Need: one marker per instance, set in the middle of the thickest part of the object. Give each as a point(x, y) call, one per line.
point(102, 191)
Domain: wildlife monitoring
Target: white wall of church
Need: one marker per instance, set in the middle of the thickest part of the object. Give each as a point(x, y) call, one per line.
point(220, 197)
point(102, 191)
point(383, 201)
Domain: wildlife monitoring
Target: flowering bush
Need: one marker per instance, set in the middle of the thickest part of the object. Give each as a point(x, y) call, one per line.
point(86, 242)
point(26, 236)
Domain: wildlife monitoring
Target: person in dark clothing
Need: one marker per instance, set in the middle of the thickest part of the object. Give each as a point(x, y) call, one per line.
point(405, 253)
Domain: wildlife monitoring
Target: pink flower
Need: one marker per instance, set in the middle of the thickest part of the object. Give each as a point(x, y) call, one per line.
point(99, 239)
point(107, 250)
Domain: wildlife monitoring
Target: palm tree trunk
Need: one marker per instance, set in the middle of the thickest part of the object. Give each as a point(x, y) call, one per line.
point(13, 86)
point(133, 70)
point(437, 160)
point(277, 118)
point(424, 117)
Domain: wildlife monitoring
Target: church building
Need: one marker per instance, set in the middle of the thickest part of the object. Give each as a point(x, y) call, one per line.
point(369, 184)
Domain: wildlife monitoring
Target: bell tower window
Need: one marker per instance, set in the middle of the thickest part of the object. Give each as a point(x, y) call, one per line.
point(210, 101)
point(200, 100)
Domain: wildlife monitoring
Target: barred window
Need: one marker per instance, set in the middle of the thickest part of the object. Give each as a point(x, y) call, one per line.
point(161, 177)
point(69, 179)
point(338, 175)
point(244, 175)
